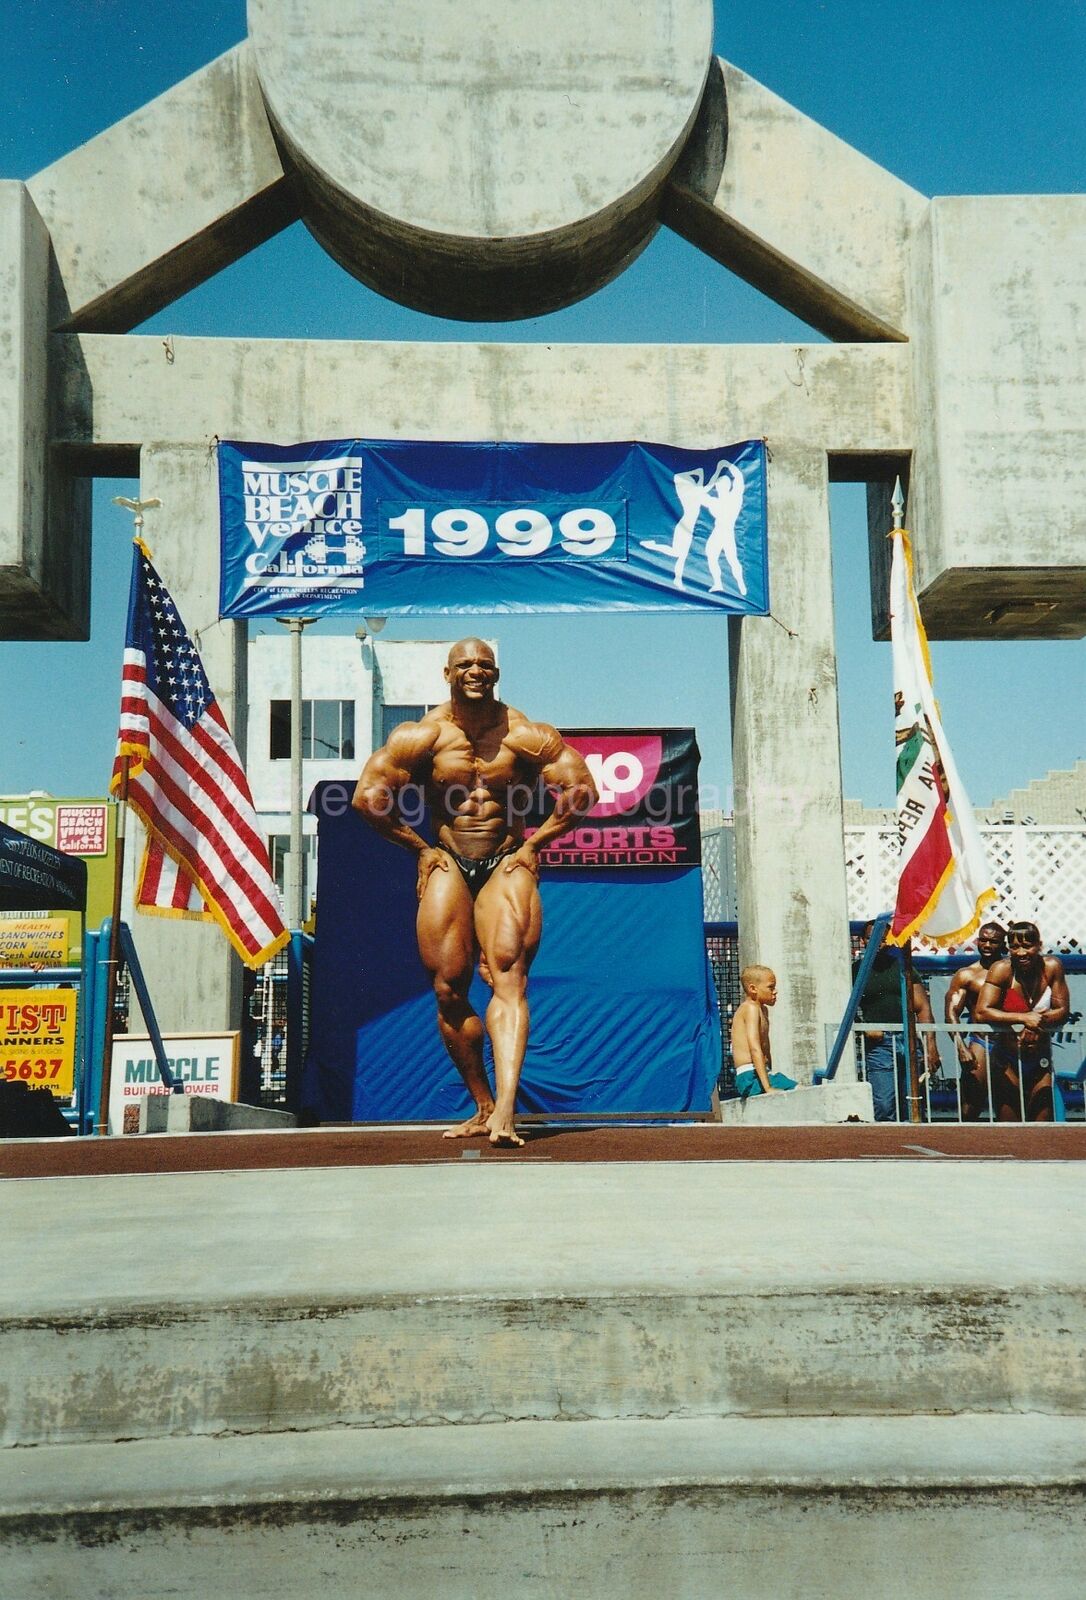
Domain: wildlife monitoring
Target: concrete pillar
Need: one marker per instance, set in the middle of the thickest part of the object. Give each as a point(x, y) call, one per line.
point(192, 974)
point(790, 862)
point(44, 522)
point(997, 491)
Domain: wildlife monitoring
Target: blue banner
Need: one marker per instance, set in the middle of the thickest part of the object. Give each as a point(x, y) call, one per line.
point(386, 528)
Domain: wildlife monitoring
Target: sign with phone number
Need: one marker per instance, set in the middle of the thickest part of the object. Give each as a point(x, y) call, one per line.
point(351, 526)
point(37, 1038)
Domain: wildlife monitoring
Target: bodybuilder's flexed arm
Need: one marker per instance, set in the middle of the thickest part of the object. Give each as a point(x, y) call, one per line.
point(404, 760)
point(562, 769)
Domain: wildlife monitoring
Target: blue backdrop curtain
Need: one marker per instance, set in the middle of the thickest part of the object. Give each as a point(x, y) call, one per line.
point(624, 1015)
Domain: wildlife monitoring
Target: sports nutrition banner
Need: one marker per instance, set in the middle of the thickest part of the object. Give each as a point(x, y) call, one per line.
point(347, 526)
point(647, 812)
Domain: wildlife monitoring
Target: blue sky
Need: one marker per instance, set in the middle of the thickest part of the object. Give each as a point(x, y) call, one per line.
point(955, 98)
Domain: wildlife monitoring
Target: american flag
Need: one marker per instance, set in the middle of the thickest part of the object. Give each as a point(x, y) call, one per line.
point(205, 855)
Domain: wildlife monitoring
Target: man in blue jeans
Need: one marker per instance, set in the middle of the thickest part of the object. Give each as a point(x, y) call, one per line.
point(885, 1053)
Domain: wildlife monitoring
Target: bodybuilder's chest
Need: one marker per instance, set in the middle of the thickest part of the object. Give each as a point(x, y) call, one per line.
point(464, 763)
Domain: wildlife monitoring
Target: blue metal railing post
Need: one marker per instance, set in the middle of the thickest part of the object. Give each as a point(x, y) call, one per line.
point(96, 988)
point(139, 983)
point(79, 1098)
point(95, 965)
point(867, 961)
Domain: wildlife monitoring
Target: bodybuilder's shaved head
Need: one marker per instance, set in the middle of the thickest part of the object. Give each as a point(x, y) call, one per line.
point(469, 647)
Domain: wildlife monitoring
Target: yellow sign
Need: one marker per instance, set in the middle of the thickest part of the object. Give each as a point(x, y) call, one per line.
point(43, 943)
point(37, 1038)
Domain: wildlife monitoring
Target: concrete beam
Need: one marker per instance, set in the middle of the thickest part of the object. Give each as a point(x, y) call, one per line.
point(786, 756)
point(853, 398)
point(164, 199)
point(202, 1113)
point(998, 491)
point(795, 211)
point(44, 515)
point(193, 977)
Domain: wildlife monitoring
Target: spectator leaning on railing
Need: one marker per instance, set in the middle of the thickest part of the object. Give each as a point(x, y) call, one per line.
point(885, 1054)
point(960, 1004)
point(1025, 997)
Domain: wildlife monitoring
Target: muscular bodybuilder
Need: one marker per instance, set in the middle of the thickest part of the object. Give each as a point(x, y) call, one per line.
point(478, 761)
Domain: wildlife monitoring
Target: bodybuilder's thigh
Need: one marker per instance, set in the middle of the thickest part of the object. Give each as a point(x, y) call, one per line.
point(444, 924)
point(509, 917)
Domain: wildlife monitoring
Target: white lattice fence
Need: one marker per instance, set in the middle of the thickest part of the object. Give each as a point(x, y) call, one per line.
point(718, 874)
point(1039, 875)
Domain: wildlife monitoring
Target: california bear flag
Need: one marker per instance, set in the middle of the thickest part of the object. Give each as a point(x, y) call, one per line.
point(944, 883)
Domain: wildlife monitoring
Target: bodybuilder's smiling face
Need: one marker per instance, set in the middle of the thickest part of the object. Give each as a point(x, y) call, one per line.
point(472, 672)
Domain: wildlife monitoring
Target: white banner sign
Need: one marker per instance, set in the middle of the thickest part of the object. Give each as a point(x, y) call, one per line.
point(206, 1063)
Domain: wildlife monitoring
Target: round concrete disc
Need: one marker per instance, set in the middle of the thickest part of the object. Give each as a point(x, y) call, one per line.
point(489, 134)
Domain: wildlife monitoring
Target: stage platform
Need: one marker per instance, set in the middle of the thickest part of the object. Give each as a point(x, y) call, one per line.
point(367, 1146)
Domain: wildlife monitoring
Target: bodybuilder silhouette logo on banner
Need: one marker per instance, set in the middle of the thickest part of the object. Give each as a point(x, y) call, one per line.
point(722, 499)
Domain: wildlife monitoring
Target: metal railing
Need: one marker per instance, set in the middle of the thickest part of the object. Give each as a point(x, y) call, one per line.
point(275, 1029)
point(722, 952)
point(999, 1081)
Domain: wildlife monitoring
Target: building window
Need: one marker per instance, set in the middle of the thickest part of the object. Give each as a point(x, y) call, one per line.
point(279, 746)
point(327, 730)
point(392, 716)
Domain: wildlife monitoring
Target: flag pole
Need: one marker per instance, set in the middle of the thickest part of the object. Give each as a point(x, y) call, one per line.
point(137, 507)
point(897, 503)
point(295, 865)
point(112, 962)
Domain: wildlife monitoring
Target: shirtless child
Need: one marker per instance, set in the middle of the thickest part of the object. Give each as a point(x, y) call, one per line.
point(750, 1036)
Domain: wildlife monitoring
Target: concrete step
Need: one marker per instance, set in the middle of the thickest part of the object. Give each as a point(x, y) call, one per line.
point(848, 1508)
point(216, 1303)
point(277, 1366)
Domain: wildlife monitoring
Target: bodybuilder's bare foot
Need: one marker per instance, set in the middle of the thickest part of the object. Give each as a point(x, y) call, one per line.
point(473, 1128)
point(502, 1130)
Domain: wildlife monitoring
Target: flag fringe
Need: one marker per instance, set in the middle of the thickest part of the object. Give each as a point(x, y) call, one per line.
point(987, 898)
point(173, 911)
point(149, 909)
point(138, 753)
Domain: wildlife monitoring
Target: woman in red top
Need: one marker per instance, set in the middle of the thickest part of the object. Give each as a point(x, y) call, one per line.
point(1026, 997)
